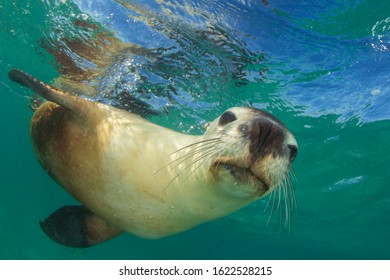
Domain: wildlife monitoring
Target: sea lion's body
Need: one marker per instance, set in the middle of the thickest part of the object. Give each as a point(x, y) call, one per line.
point(114, 165)
point(135, 176)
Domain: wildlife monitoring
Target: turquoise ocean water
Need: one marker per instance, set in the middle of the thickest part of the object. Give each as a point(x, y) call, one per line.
point(322, 67)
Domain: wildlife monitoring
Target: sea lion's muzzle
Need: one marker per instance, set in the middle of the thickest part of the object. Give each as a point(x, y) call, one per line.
point(267, 151)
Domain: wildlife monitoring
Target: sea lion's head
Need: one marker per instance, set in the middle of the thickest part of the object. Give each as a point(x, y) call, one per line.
point(250, 151)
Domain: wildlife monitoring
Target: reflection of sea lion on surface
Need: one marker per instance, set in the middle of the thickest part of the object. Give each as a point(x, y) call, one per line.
point(132, 175)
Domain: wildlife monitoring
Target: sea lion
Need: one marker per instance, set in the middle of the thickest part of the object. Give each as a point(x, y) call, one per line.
point(135, 176)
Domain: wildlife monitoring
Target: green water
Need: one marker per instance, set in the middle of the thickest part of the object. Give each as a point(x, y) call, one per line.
point(321, 67)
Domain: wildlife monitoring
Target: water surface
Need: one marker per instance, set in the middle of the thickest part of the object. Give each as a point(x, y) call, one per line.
point(322, 67)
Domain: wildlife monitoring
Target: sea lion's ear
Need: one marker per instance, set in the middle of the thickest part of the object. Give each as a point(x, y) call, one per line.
point(76, 226)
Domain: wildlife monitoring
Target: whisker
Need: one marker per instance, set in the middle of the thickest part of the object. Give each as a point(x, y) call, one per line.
point(292, 175)
point(280, 209)
point(292, 194)
point(291, 190)
point(202, 147)
point(283, 199)
point(205, 158)
point(198, 147)
point(269, 200)
point(201, 144)
point(273, 206)
point(194, 144)
point(211, 152)
point(286, 205)
point(279, 198)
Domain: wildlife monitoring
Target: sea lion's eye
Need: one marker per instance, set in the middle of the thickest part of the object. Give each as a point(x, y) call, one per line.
point(226, 118)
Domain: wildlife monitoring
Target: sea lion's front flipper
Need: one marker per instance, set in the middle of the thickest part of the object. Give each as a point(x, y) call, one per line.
point(82, 107)
point(76, 226)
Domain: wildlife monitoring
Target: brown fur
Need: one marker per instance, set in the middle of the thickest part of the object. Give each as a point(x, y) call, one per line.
point(65, 141)
point(98, 230)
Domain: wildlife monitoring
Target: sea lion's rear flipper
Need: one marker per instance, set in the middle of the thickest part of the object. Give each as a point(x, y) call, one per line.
point(76, 226)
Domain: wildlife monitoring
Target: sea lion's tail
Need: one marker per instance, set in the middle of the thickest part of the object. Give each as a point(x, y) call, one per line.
point(75, 103)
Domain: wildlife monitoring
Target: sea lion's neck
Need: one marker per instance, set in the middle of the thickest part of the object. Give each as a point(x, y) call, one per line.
point(175, 167)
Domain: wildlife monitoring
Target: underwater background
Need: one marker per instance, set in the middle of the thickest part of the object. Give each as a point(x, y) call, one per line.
point(322, 67)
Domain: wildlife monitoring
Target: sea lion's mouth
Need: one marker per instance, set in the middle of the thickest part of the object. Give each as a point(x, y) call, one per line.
point(243, 174)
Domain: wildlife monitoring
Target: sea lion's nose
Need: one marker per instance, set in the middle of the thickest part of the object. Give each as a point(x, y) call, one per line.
point(293, 152)
point(266, 137)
